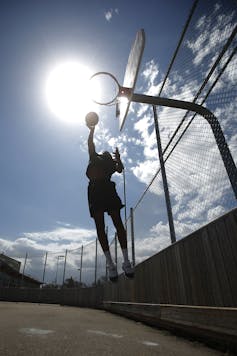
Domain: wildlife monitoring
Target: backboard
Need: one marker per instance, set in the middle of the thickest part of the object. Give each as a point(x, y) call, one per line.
point(130, 77)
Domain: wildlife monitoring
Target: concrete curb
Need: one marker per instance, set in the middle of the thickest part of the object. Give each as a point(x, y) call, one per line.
point(216, 327)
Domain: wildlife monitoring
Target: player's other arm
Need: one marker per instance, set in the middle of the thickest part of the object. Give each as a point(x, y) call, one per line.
point(119, 164)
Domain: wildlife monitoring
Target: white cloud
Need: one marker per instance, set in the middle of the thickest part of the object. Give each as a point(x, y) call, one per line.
point(109, 14)
point(215, 212)
point(158, 238)
point(55, 242)
point(78, 235)
point(63, 224)
point(209, 36)
point(149, 246)
point(150, 72)
point(145, 171)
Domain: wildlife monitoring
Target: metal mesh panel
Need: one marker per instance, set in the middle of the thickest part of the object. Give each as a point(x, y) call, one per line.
point(150, 223)
point(88, 269)
point(33, 264)
point(54, 268)
point(129, 238)
point(116, 253)
point(73, 268)
point(204, 72)
point(101, 265)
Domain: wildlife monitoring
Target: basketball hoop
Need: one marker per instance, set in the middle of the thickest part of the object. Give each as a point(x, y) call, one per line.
point(114, 91)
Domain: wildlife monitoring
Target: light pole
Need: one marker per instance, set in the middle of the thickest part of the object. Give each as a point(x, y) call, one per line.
point(64, 268)
point(81, 262)
point(23, 272)
point(45, 262)
point(79, 270)
point(96, 250)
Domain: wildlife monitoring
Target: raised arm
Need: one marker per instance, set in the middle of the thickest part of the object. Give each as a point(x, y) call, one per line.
point(91, 145)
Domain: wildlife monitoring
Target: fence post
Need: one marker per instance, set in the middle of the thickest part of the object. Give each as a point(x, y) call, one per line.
point(164, 179)
point(106, 267)
point(125, 200)
point(96, 247)
point(115, 248)
point(45, 261)
point(64, 268)
point(23, 271)
point(81, 263)
point(132, 236)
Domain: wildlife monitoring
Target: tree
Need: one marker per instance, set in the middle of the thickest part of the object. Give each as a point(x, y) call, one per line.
point(71, 283)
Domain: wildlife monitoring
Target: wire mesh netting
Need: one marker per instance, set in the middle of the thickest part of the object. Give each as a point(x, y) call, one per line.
point(203, 71)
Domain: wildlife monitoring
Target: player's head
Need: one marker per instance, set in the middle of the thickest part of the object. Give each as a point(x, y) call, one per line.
point(107, 155)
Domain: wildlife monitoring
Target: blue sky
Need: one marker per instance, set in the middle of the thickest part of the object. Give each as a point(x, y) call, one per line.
point(43, 159)
point(42, 164)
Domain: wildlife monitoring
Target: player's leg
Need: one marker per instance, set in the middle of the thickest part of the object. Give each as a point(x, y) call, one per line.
point(100, 228)
point(122, 237)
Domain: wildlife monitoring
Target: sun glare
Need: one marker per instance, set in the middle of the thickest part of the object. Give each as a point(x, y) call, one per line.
point(68, 92)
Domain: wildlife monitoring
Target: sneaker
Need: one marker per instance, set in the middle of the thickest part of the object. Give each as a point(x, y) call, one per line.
point(128, 269)
point(113, 273)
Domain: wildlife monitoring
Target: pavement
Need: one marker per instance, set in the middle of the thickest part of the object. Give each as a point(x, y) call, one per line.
point(53, 330)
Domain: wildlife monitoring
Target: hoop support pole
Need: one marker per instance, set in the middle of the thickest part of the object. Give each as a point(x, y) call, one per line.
point(211, 119)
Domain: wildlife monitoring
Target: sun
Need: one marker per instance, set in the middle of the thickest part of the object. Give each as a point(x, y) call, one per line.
point(68, 91)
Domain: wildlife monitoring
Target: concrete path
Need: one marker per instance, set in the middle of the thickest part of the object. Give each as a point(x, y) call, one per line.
point(53, 330)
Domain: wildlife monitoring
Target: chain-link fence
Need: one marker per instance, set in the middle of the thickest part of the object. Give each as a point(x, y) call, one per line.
point(80, 267)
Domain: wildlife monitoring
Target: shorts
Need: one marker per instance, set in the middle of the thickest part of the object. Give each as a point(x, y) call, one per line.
point(102, 196)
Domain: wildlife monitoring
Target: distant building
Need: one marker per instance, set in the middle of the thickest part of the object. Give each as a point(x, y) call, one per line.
point(10, 275)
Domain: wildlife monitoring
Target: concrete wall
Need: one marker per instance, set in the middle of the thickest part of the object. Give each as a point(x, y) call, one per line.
point(189, 288)
point(200, 269)
point(83, 297)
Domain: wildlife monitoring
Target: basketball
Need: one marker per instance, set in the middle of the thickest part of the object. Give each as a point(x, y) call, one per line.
point(92, 119)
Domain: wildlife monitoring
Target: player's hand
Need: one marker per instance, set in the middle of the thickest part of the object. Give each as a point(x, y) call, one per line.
point(116, 154)
point(90, 127)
